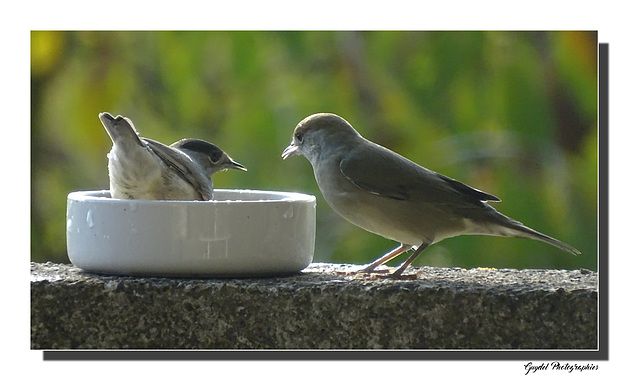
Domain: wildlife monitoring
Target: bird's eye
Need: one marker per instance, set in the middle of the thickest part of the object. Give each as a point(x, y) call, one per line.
point(215, 157)
point(299, 137)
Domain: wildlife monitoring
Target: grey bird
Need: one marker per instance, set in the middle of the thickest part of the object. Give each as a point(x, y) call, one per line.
point(389, 195)
point(141, 168)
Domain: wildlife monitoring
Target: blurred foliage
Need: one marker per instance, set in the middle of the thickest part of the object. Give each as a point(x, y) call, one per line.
point(511, 113)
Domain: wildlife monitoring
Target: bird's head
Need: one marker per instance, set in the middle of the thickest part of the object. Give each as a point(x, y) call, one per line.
point(319, 134)
point(210, 156)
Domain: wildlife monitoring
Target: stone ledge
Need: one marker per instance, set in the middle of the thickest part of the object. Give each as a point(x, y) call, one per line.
point(320, 308)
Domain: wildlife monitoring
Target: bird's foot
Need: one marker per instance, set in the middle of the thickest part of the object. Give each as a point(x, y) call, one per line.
point(398, 275)
point(376, 275)
point(366, 272)
point(386, 274)
point(380, 273)
point(372, 271)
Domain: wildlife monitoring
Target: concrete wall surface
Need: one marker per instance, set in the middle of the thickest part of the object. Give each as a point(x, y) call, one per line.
point(324, 307)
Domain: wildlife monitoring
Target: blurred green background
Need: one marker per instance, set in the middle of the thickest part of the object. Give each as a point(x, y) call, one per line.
point(511, 113)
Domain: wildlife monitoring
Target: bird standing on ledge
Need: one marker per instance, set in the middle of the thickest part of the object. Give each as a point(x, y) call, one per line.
point(141, 168)
point(389, 195)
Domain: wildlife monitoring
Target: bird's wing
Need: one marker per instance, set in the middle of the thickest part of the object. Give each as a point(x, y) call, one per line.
point(380, 171)
point(184, 167)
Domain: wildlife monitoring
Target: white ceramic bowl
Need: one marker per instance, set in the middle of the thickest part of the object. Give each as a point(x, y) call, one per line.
point(241, 233)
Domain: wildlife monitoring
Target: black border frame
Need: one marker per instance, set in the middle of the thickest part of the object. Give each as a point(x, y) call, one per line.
point(602, 353)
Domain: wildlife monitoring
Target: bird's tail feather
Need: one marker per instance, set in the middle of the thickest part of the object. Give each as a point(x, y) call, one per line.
point(497, 224)
point(120, 128)
point(535, 235)
point(511, 228)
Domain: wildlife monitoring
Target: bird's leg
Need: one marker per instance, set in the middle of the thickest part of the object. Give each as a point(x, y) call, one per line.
point(383, 259)
point(416, 253)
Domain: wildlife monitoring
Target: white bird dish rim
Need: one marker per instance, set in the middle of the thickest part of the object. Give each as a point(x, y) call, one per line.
point(241, 233)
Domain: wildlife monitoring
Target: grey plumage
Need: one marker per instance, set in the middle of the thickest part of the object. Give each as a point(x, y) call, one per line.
point(389, 195)
point(141, 168)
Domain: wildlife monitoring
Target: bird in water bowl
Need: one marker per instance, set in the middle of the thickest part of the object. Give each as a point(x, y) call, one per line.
point(141, 168)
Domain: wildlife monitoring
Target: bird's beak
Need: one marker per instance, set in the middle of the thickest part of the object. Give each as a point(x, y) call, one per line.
point(292, 149)
point(235, 165)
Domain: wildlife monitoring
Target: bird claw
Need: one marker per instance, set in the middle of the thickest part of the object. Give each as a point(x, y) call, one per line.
point(388, 275)
point(382, 274)
point(412, 276)
point(365, 272)
point(382, 271)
